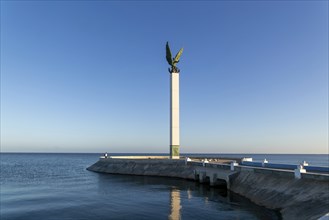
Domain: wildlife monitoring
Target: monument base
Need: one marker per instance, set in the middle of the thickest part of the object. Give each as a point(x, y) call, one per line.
point(174, 151)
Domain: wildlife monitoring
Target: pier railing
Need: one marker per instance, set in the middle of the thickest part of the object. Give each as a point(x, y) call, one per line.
point(288, 170)
point(317, 169)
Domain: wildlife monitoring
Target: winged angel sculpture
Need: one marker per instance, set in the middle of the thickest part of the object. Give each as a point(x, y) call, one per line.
point(173, 61)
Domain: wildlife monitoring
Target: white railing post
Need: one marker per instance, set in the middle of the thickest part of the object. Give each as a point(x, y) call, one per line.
point(233, 164)
point(298, 172)
point(187, 159)
point(204, 162)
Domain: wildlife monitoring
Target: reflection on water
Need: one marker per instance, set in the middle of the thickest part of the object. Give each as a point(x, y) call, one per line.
point(169, 198)
point(175, 206)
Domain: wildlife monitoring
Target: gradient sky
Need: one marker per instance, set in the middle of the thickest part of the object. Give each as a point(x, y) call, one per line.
point(91, 76)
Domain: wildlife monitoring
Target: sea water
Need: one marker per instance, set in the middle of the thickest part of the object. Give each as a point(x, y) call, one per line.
point(58, 186)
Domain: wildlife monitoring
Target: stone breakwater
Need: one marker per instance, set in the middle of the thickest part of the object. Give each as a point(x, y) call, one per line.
point(305, 198)
point(145, 167)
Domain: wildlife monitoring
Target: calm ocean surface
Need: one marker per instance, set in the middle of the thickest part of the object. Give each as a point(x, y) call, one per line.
point(58, 186)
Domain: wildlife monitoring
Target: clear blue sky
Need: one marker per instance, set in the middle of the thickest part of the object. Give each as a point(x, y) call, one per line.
point(91, 76)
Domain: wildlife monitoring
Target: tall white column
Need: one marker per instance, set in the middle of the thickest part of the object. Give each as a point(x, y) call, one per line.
point(174, 115)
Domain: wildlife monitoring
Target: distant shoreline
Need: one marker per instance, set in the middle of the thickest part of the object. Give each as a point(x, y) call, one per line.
point(162, 154)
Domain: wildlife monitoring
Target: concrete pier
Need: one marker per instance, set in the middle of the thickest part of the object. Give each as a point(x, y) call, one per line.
point(213, 176)
point(301, 198)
